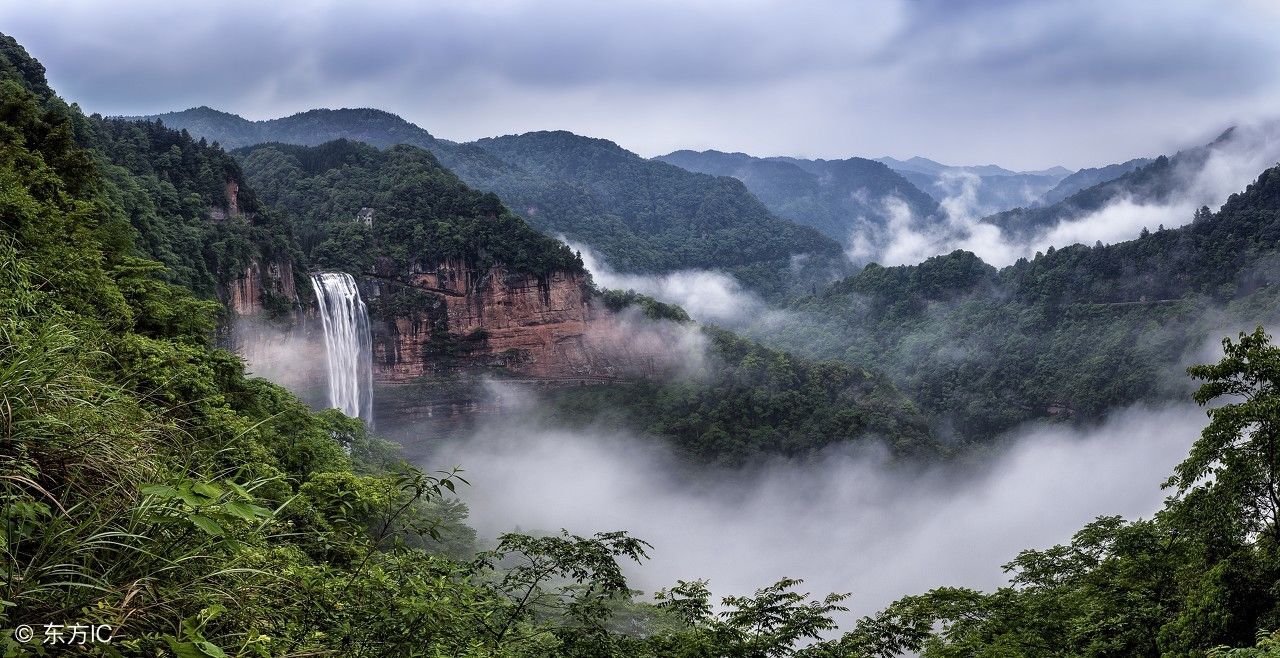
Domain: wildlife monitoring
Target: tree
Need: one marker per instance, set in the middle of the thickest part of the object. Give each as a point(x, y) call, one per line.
point(564, 579)
point(769, 624)
point(1236, 461)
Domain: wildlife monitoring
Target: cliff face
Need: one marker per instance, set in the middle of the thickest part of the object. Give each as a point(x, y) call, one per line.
point(245, 293)
point(544, 328)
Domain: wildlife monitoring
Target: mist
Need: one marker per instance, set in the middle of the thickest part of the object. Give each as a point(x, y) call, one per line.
point(293, 357)
point(707, 295)
point(849, 520)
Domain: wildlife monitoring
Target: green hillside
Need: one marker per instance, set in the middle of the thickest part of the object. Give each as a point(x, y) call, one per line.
point(841, 198)
point(639, 215)
point(1072, 333)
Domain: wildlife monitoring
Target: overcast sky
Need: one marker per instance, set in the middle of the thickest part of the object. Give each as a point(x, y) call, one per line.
point(1022, 83)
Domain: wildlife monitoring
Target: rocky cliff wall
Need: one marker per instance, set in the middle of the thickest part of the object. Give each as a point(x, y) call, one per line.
point(545, 328)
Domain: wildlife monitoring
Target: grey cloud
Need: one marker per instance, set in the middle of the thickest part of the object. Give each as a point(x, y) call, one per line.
point(1186, 47)
point(1027, 84)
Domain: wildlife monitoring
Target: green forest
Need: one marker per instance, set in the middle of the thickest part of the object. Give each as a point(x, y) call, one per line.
point(829, 195)
point(755, 401)
point(422, 213)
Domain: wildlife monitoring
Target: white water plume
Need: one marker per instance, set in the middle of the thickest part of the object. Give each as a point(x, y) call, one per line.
point(348, 345)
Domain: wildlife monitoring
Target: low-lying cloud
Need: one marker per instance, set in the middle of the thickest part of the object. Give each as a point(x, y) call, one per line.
point(635, 345)
point(707, 295)
point(848, 521)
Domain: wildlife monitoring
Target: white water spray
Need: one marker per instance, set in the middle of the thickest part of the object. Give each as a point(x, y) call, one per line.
point(348, 346)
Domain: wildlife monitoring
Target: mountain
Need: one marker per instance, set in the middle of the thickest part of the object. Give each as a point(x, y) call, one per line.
point(640, 216)
point(841, 198)
point(926, 166)
point(1088, 178)
point(412, 212)
point(980, 189)
point(1181, 181)
point(645, 215)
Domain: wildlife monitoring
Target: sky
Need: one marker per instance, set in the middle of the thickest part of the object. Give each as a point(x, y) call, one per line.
point(1022, 83)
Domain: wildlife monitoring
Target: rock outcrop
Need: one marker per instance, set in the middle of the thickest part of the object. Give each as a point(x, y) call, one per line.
point(438, 333)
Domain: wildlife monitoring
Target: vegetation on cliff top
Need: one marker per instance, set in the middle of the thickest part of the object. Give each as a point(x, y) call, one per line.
point(421, 215)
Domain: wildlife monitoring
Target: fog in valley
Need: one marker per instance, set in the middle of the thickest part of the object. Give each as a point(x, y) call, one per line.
point(848, 520)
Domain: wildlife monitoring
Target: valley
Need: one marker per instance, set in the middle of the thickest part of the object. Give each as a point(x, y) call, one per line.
point(330, 384)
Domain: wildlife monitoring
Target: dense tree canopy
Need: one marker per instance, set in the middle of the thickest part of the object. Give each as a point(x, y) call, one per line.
point(1201, 575)
point(841, 198)
point(418, 213)
point(751, 401)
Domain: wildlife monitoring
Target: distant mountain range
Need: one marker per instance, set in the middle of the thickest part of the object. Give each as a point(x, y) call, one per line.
point(981, 189)
point(310, 128)
point(1183, 179)
point(927, 166)
point(748, 215)
point(1088, 178)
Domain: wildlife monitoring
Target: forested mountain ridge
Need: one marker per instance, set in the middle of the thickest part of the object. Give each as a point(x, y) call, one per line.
point(1073, 332)
point(418, 213)
point(170, 187)
point(639, 216)
point(837, 197)
point(648, 216)
point(310, 128)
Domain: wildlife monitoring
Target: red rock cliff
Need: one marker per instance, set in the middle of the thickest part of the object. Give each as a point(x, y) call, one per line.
point(538, 327)
point(455, 319)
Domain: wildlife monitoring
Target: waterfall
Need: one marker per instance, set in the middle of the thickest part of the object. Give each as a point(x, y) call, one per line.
point(348, 346)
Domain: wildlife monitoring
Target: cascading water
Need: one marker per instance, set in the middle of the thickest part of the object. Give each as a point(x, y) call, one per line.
point(348, 346)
